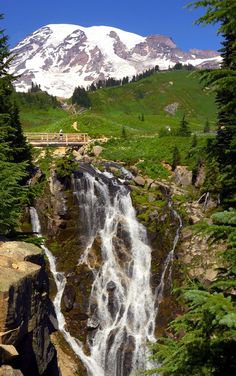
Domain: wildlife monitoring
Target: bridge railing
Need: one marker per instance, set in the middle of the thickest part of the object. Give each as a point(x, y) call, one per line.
point(49, 138)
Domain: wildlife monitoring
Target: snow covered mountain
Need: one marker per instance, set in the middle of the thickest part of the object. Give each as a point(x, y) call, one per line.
point(60, 57)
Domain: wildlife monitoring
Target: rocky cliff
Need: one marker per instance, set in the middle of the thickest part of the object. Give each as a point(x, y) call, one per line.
point(26, 313)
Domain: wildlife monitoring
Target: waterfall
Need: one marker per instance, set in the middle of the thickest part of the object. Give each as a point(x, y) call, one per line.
point(60, 281)
point(122, 306)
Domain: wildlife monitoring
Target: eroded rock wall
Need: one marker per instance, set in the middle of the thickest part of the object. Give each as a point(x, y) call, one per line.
point(26, 313)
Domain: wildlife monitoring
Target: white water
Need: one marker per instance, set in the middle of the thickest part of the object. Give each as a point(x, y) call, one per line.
point(60, 281)
point(127, 323)
point(131, 322)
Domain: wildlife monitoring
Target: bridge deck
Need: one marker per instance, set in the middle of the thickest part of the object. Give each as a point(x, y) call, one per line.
point(54, 139)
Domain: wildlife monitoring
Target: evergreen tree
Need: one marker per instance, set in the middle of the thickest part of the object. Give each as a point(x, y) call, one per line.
point(223, 13)
point(206, 128)
point(194, 141)
point(80, 97)
point(15, 153)
point(184, 129)
point(175, 158)
point(203, 340)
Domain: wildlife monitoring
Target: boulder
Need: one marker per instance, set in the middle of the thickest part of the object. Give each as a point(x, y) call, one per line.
point(200, 177)
point(149, 182)
point(9, 371)
point(97, 150)
point(133, 170)
point(139, 180)
point(7, 352)
point(182, 176)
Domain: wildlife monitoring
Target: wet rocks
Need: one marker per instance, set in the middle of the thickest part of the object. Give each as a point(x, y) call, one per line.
point(92, 323)
point(69, 297)
point(111, 286)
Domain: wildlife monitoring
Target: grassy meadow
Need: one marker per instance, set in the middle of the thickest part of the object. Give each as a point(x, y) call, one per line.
point(133, 116)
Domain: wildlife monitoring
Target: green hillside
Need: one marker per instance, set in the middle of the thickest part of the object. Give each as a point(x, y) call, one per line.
point(116, 107)
point(151, 95)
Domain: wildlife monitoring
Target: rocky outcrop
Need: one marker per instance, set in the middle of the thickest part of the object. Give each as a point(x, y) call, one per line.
point(26, 313)
point(200, 255)
point(182, 176)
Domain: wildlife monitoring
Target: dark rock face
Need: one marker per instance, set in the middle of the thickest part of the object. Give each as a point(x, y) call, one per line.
point(69, 297)
point(27, 316)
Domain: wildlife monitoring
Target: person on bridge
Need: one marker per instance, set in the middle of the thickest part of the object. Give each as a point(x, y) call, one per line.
point(61, 134)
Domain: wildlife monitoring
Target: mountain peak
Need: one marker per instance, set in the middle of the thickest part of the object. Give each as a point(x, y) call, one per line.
point(60, 57)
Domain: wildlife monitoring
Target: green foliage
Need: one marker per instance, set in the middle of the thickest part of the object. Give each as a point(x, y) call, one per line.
point(206, 128)
point(225, 218)
point(223, 82)
point(175, 158)
point(184, 130)
point(123, 132)
point(36, 99)
point(150, 152)
point(15, 154)
point(65, 166)
point(194, 141)
point(80, 97)
point(151, 95)
point(13, 195)
point(202, 341)
point(35, 88)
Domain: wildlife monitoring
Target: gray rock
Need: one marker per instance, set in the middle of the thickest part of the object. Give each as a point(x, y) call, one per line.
point(92, 324)
point(69, 297)
point(182, 176)
point(139, 180)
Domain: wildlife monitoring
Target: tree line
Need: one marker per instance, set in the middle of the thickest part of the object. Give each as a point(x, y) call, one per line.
point(36, 98)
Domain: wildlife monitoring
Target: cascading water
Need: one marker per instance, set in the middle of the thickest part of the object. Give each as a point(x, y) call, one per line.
point(122, 307)
point(121, 302)
point(60, 281)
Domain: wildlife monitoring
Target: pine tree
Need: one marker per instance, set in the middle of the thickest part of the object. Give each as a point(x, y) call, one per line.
point(223, 81)
point(15, 154)
point(194, 141)
point(80, 97)
point(175, 158)
point(184, 129)
point(203, 340)
point(206, 128)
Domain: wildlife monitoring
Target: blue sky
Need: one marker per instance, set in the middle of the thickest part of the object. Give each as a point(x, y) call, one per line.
point(167, 17)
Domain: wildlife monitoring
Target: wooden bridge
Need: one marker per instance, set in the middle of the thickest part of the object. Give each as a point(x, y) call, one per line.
point(55, 139)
